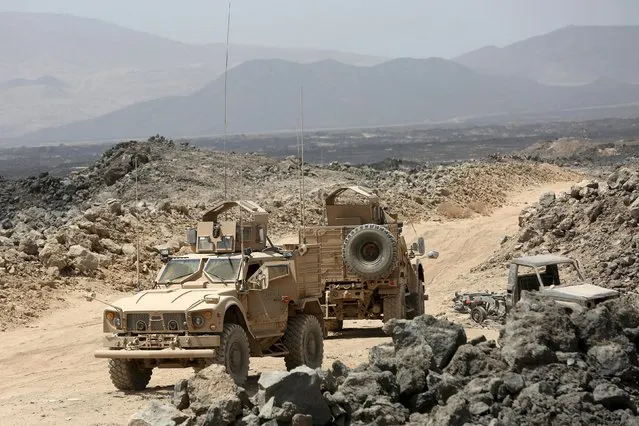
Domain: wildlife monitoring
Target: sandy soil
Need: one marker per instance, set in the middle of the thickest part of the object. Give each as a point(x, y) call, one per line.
point(49, 375)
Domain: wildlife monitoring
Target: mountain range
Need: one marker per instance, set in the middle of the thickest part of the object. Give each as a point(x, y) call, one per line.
point(114, 83)
point(104, 67)
point(568, 56)
point(264, 96)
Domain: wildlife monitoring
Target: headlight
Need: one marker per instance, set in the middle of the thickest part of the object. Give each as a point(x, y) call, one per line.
point(198, 321)
point(113, 319)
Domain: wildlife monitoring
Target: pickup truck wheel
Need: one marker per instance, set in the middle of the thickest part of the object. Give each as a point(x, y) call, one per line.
point(128, 375)
point(234, 352)
point(478, 314)
point(304, 340)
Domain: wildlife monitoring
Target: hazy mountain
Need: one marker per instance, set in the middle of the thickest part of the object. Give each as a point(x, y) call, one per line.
point(104, 67)
point(44, 81)
point(264, 96)
point(571, 55)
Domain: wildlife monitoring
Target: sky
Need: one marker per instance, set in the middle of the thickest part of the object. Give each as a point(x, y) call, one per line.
point(390, 28)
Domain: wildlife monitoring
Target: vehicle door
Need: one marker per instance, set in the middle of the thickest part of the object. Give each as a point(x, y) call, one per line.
point(268, 296)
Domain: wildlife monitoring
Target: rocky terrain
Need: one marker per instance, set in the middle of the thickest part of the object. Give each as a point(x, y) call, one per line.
point(549, 366)
point(579, 151)
point(596, 221)
point(59, 234)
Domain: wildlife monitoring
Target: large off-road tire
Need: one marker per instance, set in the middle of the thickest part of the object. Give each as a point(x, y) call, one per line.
point(334, 325)
point(416, 303)
point(394, 307)
point(128, 375)
point(370, 251)
point(304, 340)
point(234, 352)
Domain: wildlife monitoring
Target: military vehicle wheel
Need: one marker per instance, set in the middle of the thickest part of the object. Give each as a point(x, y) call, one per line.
point(304, 340)
point(394, 306)
point(334, 325)
point(370, 251)
point(128, 375)
point(416, 302)
point(478, 314)
point(234, 352)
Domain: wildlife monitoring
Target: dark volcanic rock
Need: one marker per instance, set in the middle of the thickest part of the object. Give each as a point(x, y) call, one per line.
point(442, 336)
point(535, 331)
point(554, 366)
point(299, 388)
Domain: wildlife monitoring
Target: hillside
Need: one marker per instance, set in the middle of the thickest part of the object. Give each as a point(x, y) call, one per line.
point(571, 55)
point(264, 96)
point(106, 68)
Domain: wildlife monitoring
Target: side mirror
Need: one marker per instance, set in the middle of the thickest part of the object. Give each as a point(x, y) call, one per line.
point(419, 246)
point(433, 254)
point(191, 236)
point(261, 235)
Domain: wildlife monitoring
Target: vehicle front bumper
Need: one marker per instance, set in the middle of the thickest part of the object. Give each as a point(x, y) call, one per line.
point(154, 353)
point(158, 347)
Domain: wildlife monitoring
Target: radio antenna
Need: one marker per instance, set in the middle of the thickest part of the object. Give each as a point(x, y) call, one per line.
point(137, 230)
point(302, 158)
point(226, 70)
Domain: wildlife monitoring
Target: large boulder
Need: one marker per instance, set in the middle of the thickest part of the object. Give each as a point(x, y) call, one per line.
point(54, 255)
point(83, 260)
point(300, 388)
point(158, 414)
point(443, 337)
point(29, 245)
point(633, 209)
point(213, 394)
point(536, 329)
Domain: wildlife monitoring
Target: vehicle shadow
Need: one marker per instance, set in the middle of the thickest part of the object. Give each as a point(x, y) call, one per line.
point(149, 393)
point(356, 333)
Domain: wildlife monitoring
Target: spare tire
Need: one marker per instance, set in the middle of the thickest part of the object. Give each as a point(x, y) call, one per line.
point(370, 251)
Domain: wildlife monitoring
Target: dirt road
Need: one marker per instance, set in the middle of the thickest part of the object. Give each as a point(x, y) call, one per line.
point(49, 376)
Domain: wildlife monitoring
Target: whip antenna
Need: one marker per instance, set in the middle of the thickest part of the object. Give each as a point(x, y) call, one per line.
point(226, 69)
point(137, 230)
point(302, 158)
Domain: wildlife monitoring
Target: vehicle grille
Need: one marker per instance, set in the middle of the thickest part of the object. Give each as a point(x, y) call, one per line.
point(150, 323)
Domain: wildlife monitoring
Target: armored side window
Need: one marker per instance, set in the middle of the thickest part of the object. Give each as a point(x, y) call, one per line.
point(277, 271)
point(246, 233)
point(260, 237)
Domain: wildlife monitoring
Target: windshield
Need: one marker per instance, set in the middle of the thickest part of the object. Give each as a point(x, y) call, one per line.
point(177, 269)
point(565, 273)
point(222, 268)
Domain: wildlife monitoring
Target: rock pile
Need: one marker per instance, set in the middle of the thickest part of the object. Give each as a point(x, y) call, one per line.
point(552, 366)
point(597, 222)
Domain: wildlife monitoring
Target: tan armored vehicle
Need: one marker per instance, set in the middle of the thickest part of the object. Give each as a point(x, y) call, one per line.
point(367, 271)
point(233, 297)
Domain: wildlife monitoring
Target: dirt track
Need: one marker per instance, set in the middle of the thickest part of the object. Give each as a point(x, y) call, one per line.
point(49, 375)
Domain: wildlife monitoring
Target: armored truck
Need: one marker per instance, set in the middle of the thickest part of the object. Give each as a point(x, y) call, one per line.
point(367, 271)
point(234, 296)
